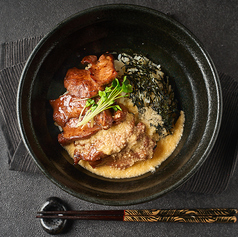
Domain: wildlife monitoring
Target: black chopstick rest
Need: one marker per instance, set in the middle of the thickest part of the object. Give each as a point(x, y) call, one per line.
point(54, 226)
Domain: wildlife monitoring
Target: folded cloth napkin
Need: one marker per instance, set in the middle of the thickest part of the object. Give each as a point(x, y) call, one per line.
point(212, 178)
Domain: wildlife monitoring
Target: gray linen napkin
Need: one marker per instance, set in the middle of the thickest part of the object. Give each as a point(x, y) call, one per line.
point(212, 178)
point(13, 58)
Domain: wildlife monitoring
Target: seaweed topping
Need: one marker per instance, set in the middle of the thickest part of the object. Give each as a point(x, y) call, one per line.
point(151, 88)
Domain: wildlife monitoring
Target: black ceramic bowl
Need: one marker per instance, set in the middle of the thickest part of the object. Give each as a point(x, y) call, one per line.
point(120, 28)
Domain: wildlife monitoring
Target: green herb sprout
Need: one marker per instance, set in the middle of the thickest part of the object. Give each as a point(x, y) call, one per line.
point(106, 101)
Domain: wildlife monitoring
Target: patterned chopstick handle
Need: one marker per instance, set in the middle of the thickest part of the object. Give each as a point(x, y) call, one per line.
point(183, 212)
point(197, 219)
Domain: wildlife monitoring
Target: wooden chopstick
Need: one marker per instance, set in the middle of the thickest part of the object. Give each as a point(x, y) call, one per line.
point(184, 219)
point(152, 212)
point(204, 215)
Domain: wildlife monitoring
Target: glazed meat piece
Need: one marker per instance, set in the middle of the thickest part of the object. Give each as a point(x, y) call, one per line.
point(86, 83)
point(66, 107)
point(104, 119)
point(109, 117)
point(72, 133)
point(107, 142)
point(82, 84)
point(124, 159)
point(142, 150)
point(102, 71)
point(120, 147)
point(78, 82)
point(90, 154)
point(120, 115)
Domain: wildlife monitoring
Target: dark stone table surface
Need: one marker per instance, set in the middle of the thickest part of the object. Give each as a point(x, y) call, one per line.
point(215, 23)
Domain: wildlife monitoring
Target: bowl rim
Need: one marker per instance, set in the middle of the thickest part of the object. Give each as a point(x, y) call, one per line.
point(211, 66)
